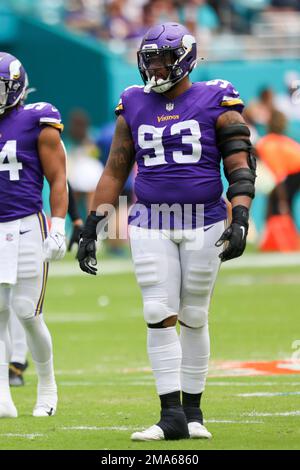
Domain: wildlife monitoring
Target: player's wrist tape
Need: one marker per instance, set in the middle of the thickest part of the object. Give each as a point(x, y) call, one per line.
point(240, 215)
point(58, 225)
point(90, 226)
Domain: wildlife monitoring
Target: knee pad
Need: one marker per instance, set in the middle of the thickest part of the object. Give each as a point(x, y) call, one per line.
point(155, 312)
point(24, 308)
point(193, 316)
point(199, 281)
point(146, 271)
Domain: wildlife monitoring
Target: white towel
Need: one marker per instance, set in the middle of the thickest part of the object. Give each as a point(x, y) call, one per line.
point(9, 247)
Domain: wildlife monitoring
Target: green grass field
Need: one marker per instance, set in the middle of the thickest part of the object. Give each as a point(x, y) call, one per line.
point(106, 389)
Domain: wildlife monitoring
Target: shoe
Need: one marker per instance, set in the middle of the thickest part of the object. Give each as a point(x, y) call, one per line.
point(16, 370)
point(172, 426)
point(8, 410)
point(154, 433)
point(46, 402)
point(43, 411)
point(198, 431)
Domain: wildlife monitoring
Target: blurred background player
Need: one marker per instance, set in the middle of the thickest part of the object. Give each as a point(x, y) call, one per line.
point(19, 349)
point(31, 148)
point(177, 131)
point(84, 166)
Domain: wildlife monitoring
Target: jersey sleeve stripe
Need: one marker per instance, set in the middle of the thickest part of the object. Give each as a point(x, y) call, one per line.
point(52, 122)
point(232, 102)
point(44, 233)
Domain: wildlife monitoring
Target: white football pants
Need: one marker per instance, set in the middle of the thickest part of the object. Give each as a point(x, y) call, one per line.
point(26, 296)
point(176, 271)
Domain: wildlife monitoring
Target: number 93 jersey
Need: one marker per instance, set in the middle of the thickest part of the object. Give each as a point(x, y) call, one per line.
point(175, 144)
point(21, 173)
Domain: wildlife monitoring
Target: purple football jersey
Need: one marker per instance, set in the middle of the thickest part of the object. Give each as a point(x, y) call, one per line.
point(21, 174)
point(175, 143)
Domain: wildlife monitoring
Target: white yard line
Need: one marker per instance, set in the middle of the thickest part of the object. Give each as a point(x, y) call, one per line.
point(230, 421)
point(24, 436)
point(75, 317)
point(210, 383)
point(99, 428)
point(109, 267)
point(267, 394)
point(283, 414)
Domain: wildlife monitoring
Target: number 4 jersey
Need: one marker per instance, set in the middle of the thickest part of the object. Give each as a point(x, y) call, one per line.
point(21, 173)
point(175, 143)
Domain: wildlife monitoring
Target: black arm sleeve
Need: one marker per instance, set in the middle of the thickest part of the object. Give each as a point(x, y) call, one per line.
point(72, 208)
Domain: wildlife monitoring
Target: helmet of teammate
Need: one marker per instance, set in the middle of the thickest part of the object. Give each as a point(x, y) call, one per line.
point(13, 81)
point(170, 46)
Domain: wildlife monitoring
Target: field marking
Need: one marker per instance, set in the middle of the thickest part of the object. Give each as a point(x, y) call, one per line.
point(267, 394)
point(66, 317)
point(79, 384)
point(251, 384)
point(99, 428)
point(24, 436)
point(134, 428)
point(120, 266)
point(267, 280)
point(230, 421)
point(283, 414)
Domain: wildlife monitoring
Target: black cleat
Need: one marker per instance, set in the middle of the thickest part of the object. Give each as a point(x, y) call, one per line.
point(16, 370)
point(174, 424)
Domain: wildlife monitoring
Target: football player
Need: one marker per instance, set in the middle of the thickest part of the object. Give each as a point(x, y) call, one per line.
point(178, 132)
point(18, 362)
point(30, 148)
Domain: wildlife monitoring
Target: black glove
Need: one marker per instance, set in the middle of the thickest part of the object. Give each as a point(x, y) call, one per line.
point(86, 254)
point(75, 237)
point(235, 234)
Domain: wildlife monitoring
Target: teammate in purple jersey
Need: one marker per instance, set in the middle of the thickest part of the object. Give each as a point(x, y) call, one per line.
point(30, 148)
point(178, 132)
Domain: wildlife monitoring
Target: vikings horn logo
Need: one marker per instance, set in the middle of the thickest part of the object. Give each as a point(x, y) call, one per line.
point(14, 69)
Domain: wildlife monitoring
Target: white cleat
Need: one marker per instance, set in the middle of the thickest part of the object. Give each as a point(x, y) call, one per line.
point(43, 411)
point(198, 431)
point(46, 403)
point(154, 433)
point(8, 410)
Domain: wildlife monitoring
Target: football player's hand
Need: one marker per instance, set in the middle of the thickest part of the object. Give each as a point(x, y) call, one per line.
point(75, 237)
point(87, 255)
point(235, 235)
point(87, 244)
point(55, 244)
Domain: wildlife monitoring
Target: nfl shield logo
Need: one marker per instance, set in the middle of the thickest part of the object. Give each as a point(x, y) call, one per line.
point(9, 237)
point(169, 106)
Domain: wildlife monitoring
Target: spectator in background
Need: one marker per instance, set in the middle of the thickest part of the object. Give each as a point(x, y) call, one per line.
point(201, 19)
point(84, 166)
point(149, 17)
point(258, 112)
point(289, 102)
point(115, 245)
point(281, 155)
point(81, 18)
point(116, 25)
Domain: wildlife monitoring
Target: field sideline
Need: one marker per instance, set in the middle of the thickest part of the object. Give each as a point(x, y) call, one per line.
point(105, 386)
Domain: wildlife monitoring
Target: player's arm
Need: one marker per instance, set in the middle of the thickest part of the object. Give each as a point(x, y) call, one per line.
point(53, 160)
point(75, 217)
point(110, 185)
point(233, 137)
point(118, 166)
